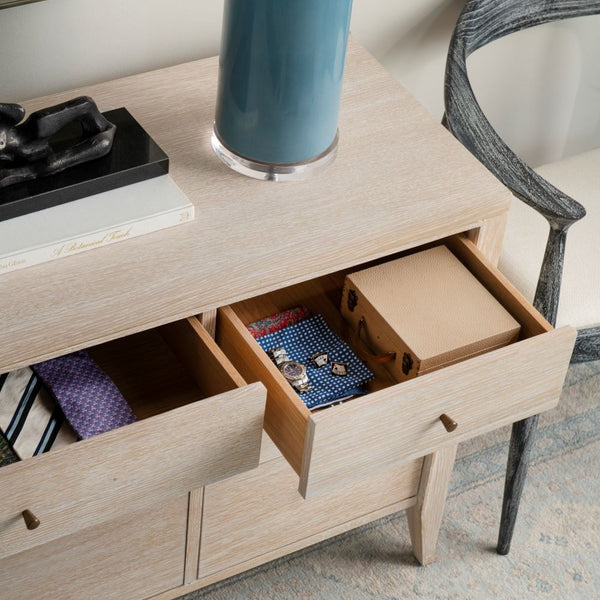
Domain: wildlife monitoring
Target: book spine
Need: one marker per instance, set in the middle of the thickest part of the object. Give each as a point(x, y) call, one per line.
point(96, 239)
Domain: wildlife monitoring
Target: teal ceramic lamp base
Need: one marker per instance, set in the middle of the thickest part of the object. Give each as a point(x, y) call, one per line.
point(281, 68)
point(274, 171)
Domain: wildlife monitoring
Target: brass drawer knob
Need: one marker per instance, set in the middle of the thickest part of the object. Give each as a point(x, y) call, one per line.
point(449, 423)
point(30, 519)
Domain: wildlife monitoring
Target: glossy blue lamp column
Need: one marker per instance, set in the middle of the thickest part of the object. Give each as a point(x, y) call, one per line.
point(281, 67)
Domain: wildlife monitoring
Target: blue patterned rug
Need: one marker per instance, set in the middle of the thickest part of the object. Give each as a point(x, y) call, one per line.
point(555, 552)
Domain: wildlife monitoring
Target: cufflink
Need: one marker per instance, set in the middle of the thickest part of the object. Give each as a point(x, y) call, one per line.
point(339, 368)
point(320, 359)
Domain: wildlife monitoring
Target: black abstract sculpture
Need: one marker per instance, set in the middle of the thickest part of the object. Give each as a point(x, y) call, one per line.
point(27, 150)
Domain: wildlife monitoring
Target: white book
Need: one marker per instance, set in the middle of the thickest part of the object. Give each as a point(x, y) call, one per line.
point(92, 222)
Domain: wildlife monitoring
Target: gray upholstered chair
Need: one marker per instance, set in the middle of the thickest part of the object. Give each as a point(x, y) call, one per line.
point(535, 253)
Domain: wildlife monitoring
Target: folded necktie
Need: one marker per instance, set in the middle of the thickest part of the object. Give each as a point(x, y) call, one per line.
point(29, 418)
point(306, 338)
point(89, 398)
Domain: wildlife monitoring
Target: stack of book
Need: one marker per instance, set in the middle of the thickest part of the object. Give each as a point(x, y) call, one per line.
point(119, 196)
point(92, 222)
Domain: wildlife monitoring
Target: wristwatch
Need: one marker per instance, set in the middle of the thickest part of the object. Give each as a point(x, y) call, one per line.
point(293, 371)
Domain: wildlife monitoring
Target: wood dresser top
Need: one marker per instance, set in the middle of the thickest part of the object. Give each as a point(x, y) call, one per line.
point(399, 180)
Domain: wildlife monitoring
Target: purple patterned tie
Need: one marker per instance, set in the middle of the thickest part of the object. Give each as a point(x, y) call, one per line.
point(90, 400)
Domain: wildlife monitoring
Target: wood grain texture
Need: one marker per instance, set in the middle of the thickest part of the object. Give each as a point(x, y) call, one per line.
point(490, 236)
point(397, 422)
point(587, 346)
point(147, 372)
point(532, 322)
point(194, 531)
point(402, 422)
point(482, 22)
point(425, 517)
point(260, 511)
point(275, 553)
point(399, 180)
point(209, 321)
point(132, 557)
point(268, 450)
point(285, 415)
point(168, 455)
point(521, 445)
point(202, 357)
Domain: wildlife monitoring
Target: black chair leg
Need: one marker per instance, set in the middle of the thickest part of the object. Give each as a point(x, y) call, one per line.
point(521, 443)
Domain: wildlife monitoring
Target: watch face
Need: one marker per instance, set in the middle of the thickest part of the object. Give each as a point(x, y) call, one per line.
point(293, 370)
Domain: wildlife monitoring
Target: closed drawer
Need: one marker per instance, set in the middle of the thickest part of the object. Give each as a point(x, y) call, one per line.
point(257, 516)
point(399, 421)
point(135, 556)
point(198, 422)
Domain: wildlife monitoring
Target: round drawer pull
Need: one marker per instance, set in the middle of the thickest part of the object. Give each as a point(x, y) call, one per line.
point(30, 519)
point(449, 423)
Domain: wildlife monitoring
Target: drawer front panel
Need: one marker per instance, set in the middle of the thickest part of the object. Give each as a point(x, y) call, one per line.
point(402, 422)
point(258, 512)
point(88, 482)
point(170, 452)
point(167, 453)
point(399, 422)
point(132, 557)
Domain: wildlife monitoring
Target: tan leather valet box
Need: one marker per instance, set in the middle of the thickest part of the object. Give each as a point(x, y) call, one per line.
point(427, 310)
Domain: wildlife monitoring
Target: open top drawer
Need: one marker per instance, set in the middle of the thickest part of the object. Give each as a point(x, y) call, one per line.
point(396, 422)
point(198, 423)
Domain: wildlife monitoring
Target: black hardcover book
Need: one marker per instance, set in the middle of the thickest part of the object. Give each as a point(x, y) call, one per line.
point(134, 157)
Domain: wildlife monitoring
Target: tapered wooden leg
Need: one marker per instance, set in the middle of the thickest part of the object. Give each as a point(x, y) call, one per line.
point(521, 443)
point(425, 518)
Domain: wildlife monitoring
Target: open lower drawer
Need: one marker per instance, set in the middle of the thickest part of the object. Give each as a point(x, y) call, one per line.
point(396, 422)
point(198, 423)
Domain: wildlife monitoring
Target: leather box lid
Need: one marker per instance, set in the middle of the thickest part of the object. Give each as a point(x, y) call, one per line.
point(436, 306)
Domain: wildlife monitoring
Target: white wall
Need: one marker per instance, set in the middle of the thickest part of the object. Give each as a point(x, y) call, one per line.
point(60, 44)
point(540, 88)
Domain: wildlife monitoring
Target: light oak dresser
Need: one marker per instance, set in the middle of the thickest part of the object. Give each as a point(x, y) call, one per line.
point(226, 469)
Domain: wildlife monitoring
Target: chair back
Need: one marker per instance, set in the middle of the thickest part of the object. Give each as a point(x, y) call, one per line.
point(481, 22)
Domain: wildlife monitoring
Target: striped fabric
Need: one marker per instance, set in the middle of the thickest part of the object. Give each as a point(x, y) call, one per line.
point(31, 420)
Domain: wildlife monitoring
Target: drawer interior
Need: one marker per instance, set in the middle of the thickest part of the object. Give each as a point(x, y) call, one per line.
point(323, 296)
point(198, 423)
point(320, 296)
point(165, 368)
point(168, 367)
point(286, 416)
